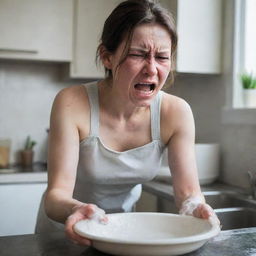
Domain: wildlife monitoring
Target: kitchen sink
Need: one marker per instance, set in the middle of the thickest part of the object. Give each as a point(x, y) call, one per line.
point(234, 210)
point(219, 199)
point(238, 217)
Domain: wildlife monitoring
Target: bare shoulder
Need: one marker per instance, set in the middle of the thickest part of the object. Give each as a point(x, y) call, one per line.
point(176, 113)
point(71, 96)
point(71, 108)
point(71, 100)
point(173, 104)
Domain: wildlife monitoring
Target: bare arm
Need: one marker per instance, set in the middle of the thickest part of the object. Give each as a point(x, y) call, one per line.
point(62, 158)
point(179, 132)
point(69, 110)
point(181, 156)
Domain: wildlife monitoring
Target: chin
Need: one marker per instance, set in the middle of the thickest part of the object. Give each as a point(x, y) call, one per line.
point(141, 100)
point(144, 103)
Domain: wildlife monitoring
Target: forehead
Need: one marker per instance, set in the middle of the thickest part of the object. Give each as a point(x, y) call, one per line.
point(151, 36)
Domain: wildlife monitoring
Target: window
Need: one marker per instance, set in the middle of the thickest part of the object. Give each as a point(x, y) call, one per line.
point(239, 55)
point(250, 37)
point(244, 47)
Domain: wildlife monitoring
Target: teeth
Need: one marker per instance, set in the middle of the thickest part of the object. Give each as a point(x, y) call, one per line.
point(146, 84)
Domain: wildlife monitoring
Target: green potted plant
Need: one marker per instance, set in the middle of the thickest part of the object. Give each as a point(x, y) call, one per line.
point(249, 89)
point(27, 153)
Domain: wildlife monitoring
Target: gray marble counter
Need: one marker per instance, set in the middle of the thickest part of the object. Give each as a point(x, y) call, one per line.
point(15, 174)
point(240, 242)
point(165, 190)
point(23, 177)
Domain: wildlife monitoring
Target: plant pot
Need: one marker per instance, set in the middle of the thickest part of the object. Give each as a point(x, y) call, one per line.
point(27, 158)
point(5, 145)
point(250, 98)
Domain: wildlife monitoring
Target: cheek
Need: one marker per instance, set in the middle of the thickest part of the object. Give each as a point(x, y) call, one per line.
point(131, 67)
point(164, 71)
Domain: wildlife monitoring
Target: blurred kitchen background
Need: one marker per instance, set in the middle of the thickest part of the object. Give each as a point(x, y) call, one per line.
point(47, 45)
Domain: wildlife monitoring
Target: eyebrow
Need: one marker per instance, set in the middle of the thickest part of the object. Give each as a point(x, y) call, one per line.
point(142, 50)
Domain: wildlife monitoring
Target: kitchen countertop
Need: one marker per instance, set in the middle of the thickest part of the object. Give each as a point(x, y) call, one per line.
point(165, 190)
point(17, 174)
point(23, 177)
point(228, 243)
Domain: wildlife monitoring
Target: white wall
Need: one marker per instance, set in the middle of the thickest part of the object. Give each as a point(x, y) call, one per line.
point(27, 91)
point(206, 97)
point(238, 153)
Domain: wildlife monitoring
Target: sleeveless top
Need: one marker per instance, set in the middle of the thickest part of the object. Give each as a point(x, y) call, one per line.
point(110, 179)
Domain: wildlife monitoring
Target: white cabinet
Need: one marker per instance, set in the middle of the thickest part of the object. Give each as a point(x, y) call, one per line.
point(19, 204)
point(199, 26)
point(36, 29)
point(88, 24)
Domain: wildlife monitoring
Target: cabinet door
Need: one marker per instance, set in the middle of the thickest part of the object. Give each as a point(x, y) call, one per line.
point(199, 26)
point(89, 20)
point(36, 29)
point(19, 206)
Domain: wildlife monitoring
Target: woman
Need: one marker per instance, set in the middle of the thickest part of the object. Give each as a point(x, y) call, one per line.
point(107, 137)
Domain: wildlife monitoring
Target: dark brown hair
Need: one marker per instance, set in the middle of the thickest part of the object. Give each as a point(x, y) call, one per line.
point(125, 17)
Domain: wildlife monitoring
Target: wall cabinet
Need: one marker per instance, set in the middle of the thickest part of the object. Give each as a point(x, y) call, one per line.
point(89, 19)
point(19, 206)
point(69, 31)
point(199, 27)
point(36, 29)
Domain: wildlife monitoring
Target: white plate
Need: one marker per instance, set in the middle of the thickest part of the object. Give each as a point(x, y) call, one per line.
point(147, 234)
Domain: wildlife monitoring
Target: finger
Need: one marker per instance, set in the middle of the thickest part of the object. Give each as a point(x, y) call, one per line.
point(214, 220)
point(104, 219)
point(71, 220)
point(90, 210)
point(81, 240)
point(197, 212)
point(98, 214)
point(203, 211)
point(206, 211)
point(71, 235)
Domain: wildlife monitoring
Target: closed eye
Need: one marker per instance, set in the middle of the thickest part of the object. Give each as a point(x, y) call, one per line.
point(137, 55)
point(162, 58)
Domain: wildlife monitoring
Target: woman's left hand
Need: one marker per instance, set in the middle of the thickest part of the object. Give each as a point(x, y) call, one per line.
point(195, 207)
point(205, 211)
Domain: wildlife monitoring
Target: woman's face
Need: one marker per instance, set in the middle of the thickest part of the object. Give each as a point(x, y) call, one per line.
point(146, 68)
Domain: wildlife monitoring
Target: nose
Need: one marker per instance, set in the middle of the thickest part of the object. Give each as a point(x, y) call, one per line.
point(150, 67)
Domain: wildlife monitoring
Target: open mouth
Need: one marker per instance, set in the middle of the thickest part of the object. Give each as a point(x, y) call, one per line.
point(145, 87)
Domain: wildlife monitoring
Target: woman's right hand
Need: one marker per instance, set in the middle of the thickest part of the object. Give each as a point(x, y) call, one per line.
point(82, 212)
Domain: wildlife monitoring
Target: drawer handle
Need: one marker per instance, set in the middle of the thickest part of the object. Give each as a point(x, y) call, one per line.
point(11, 50)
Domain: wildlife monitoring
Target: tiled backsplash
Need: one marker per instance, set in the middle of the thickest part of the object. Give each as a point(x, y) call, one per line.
point(27, 92)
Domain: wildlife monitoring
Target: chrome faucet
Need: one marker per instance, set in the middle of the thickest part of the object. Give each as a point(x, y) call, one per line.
point(252, 179)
